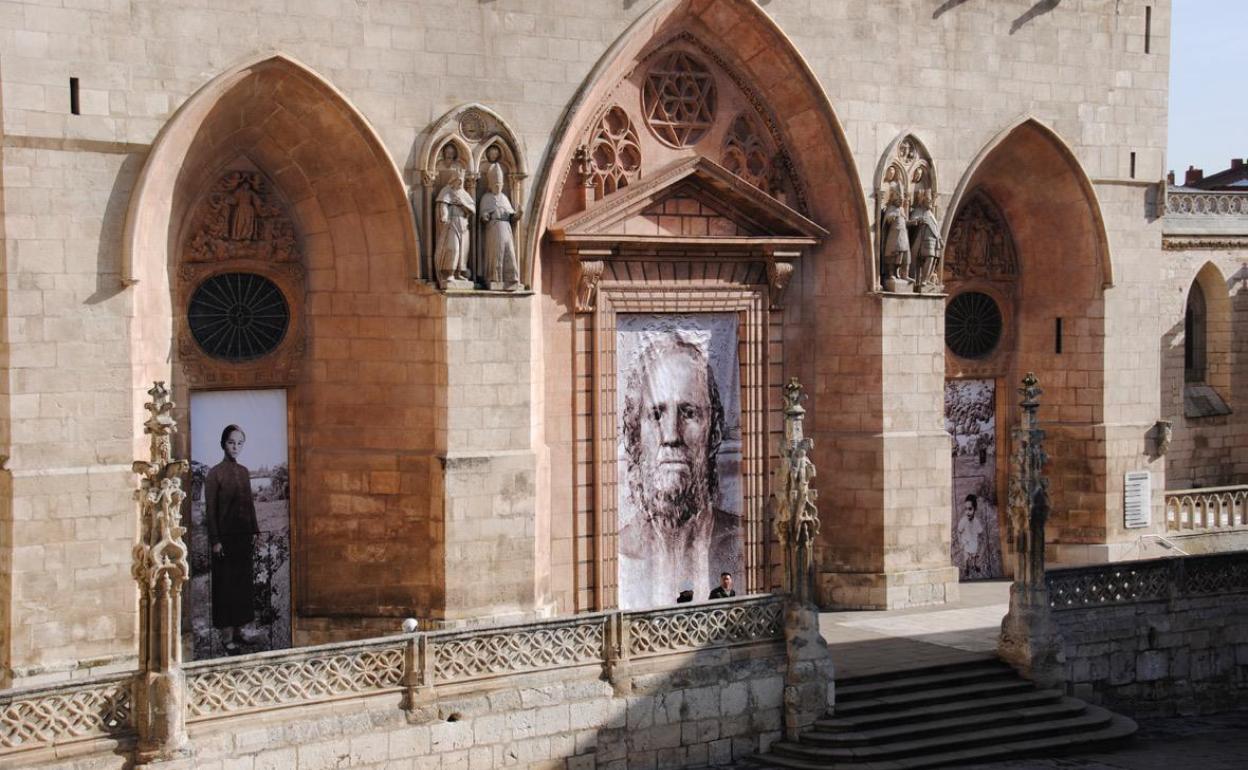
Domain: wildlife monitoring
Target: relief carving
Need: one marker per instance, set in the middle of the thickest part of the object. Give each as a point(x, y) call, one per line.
point(746, 154)
point(980, 244)
point(588, 274)
point(242, 218)
point(778, 275)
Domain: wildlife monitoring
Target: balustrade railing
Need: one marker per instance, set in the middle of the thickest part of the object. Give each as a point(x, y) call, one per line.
point(32, 718)
point(1206, 204)
point(1205, 509)
point(1147, 580)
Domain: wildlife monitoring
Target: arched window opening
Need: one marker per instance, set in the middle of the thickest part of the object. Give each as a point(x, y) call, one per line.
point(1195, 325)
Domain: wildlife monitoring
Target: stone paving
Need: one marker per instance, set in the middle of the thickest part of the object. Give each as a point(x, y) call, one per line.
point(870, 642)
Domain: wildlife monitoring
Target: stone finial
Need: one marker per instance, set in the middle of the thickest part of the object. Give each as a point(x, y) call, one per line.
point(161, 568)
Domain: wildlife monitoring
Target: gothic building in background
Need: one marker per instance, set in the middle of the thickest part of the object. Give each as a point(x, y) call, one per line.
point(483, 311)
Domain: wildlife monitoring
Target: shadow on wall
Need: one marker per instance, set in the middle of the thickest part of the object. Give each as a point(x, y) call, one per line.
point(1039, 9)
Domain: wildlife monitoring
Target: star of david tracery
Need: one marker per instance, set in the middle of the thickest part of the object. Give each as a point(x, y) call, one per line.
point(679, 99)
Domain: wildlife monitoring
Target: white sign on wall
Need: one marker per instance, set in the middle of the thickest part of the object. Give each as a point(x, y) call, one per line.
point(1138, 499)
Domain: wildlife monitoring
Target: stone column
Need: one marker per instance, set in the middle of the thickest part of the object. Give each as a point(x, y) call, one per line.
point(160, 566)
point(808, 686)
point(1029, 640)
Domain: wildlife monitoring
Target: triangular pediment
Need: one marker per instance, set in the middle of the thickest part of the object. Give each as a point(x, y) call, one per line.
point(694, 201)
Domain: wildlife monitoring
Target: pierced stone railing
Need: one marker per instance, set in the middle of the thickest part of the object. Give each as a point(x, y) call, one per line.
point(1210, 508)
point(1147, 580)
point(692, 627)
point(44, 717)
point(37, 717)
point(1206, 204)
point(267, 680)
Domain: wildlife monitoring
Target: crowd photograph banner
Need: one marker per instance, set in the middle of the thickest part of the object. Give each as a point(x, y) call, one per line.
point(970, 418)
point(679, 456)
point(240, 523)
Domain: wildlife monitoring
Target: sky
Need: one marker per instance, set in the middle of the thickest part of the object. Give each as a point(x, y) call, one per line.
point(1208, 95)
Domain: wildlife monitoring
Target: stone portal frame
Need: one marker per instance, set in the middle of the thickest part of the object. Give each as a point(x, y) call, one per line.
point(679, 287)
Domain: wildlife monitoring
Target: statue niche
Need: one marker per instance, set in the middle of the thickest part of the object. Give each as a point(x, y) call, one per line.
point(242, 218)
point(471, 177)
point(908, 238)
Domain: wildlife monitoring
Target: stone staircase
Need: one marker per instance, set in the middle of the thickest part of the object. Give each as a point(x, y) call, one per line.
point(942, 715)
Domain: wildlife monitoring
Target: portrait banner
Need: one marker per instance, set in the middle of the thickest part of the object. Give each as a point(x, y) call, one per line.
point(679, 456)
point(970, 418)
point(240, 523)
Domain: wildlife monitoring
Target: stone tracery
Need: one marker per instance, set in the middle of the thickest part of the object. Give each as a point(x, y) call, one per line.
point(679, 99)
point(745, 153)
point(614, 154)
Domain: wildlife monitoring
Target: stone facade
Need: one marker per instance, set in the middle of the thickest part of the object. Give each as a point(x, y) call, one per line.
point(450, 453)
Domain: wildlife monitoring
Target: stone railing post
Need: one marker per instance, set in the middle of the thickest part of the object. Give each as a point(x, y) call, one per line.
point(615, 648)
point(160, 567)
point(418, 679)
point(808, 686)
point(1029, 639)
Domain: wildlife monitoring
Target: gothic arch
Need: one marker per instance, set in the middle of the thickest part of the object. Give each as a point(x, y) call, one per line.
point(352, 297)
point(1215, 369)
point(1063, 270)
point(1064, 169)
point(753, 45)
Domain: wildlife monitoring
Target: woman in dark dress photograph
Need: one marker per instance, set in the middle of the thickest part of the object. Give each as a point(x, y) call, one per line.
point(230, 516)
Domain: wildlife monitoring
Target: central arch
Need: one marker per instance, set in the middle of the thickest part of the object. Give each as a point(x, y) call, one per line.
point(769, 106)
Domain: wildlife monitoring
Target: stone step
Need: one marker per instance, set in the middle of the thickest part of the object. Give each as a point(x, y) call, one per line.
point(870, 721)
point(932, 696)
point(1091, 720)
point(1117, 730)
point(923, 680)
point(1063, 708)
point(904, 672)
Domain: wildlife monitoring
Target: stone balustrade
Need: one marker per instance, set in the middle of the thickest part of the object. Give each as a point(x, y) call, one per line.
point(1206, 204)
point(1209, 508)
point(1148, 580)
point(100, 708)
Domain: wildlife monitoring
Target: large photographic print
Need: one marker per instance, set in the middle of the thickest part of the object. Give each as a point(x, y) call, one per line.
point(240, 522)
point(679, 456)
point(970, 418)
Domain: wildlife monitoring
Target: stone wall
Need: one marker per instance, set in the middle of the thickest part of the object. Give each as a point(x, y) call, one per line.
point(1156, 637)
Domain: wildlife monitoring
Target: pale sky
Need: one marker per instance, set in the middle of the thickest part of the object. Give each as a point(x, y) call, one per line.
point(1208, 94)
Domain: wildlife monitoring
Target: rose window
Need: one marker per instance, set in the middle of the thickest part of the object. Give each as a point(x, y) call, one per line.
point(238, 316)
point(679, 99)
point(972, 325)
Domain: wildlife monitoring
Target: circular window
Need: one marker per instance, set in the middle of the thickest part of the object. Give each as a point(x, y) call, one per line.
point(238, 316)
point(679, 99)
point(972, 324)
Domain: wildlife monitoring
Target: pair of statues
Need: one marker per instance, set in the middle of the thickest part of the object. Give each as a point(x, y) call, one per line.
point(897, 249)
point(455, 211)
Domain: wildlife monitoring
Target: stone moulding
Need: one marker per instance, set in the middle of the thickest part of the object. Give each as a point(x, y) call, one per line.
point(50, 717)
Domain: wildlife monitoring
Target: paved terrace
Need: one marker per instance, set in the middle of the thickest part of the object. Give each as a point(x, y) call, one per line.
point(873, 641)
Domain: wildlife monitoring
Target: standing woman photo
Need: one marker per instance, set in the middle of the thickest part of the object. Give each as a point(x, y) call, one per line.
point(230, 516)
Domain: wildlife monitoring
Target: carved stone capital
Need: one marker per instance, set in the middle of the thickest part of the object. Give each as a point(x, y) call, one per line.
point(778, 275)
point(588, 274)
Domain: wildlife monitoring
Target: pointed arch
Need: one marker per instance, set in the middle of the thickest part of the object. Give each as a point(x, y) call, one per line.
point(150, 213)
point(1207, 306)
point(764, 54)
point(1052, 157)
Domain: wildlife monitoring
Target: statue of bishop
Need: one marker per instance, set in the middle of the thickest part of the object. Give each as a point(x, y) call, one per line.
point(502, 267)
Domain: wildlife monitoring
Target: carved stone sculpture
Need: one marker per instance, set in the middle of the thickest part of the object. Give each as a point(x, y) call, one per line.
point(797, 519)
point(808, 673)
point(927, 242)
point(980, 244)
point(499, 250)
point(1029, 639)
point(455, 210)
point(241, 218)
point(161, 568)
point(896, 245)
